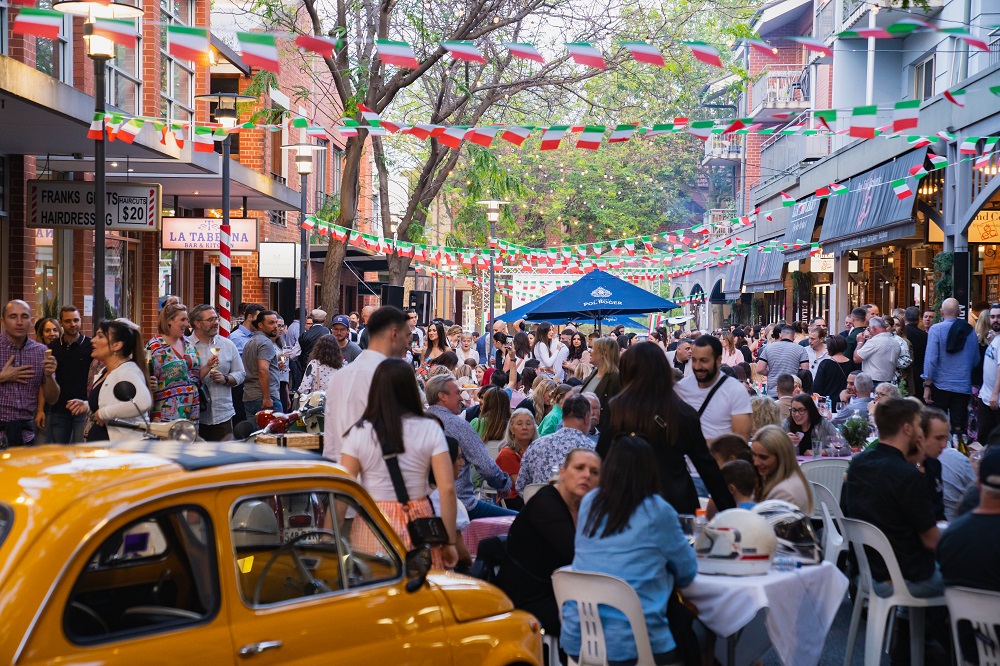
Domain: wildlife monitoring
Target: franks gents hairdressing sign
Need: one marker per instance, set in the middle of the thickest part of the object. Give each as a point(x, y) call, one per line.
point(203, 233)
point(69, 204)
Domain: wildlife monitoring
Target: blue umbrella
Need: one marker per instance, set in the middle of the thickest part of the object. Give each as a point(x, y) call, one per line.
point(522, 311)
point(597, 295)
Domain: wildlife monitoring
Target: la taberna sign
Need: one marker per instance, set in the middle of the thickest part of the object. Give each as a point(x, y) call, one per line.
point(203, 233)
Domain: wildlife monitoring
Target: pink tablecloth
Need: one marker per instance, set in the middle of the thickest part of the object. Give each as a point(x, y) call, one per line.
point(484, 528)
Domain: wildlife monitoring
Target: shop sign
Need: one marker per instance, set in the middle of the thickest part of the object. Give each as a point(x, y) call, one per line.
point(984, 228)
point(278, 260)
point(821, 263)
point(69, 204)
point(43, 237)
point(203, 233)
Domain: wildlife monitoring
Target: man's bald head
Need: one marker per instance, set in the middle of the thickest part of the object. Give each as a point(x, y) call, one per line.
point(16, 302)
point(950, 307)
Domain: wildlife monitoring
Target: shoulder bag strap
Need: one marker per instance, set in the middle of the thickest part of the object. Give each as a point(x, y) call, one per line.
point(711, 394)
point(395, 474)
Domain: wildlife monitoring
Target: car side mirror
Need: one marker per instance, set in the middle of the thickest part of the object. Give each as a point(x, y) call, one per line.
point(418, 564)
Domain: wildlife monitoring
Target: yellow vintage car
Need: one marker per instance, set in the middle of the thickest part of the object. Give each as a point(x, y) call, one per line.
point(184, 554)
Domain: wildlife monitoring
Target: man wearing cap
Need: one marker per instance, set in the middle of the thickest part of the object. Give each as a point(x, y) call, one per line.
point(970, 548)
point(342, 331)
point(310, 337)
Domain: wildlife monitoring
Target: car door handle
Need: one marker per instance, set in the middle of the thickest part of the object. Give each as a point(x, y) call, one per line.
point(256, 648)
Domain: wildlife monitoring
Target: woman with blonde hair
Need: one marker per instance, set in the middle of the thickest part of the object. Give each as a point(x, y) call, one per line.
point(604, 381)
point(780, 475)
point(541, 397)
point(583, 371)
point(765, 412)
point(520, 433)
point(174, 364)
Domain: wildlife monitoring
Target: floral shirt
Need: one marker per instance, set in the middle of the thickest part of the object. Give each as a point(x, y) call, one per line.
point(546, 454)
point(176, 395)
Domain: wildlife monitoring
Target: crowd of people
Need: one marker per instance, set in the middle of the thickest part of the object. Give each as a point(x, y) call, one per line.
point(594, 444)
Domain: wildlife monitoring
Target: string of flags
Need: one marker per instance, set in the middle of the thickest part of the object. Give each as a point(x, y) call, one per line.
point(261, 49)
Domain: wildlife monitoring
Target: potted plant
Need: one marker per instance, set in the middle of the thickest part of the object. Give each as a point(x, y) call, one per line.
point(856, 431)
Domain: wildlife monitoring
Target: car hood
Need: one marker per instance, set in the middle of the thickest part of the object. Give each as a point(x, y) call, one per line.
point(470, 598)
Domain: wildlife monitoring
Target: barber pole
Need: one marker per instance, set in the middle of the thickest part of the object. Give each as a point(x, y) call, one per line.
point(225, 263)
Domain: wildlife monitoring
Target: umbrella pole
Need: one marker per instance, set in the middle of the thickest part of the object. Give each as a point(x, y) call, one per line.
point(597, 324)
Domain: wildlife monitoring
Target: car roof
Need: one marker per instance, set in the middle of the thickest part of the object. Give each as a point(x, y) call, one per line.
point(45, 479)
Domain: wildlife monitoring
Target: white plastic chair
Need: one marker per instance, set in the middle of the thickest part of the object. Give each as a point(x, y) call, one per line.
point(834, 539)
point(588, 590)
point(531, 489)
point(982, 610)
point(861, 534)
point(550, 645)
point(828, 472)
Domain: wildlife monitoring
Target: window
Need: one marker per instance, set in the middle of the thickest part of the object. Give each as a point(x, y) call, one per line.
point(336, 162)
point(124, 80)
point(54, 56)
point(301, 544)
point(156, 574)
point(3, 27)
point(176, 76)
point(923, 79)
point(319, 172)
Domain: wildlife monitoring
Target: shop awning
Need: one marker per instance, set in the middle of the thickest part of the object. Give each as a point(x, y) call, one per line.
point(870, 213)
point(801, 225)
point(734, 277)
point(763, 271)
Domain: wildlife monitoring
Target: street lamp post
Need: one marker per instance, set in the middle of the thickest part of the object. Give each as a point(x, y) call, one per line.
point(101, 50)
point(225, 115)
point(304, 166)
point(493, 215)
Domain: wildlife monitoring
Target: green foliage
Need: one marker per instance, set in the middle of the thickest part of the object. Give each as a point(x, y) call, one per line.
point(856, 431)
point(943, 263)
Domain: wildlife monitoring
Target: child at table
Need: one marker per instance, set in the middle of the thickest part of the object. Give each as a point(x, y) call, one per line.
point(741, 478)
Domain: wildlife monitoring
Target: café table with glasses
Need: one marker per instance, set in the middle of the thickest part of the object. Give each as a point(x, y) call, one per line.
point(483, 528)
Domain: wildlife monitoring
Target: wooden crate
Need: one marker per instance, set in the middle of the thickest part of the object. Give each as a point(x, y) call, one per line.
point(294, 440)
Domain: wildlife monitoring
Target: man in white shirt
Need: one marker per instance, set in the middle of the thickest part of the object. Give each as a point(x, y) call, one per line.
point(722, 402)
point(216, 422)
point(988, 407)
point(816, 351)
point(347, 392)
point(877, 351)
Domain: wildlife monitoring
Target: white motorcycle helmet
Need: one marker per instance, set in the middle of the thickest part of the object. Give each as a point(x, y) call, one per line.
point(793, 529)
point(736, 543)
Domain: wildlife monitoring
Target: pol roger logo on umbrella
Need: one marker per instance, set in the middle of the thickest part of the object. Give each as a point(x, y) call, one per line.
point(600, 292)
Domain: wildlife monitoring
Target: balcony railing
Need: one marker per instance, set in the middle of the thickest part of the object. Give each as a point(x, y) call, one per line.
point(824, 21)
point(781, 154)
point(719, 221)
point(728, 148)
point(781, 86)
point(994, 47)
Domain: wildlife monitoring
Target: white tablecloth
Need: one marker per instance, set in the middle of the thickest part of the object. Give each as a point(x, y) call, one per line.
point(800, 605)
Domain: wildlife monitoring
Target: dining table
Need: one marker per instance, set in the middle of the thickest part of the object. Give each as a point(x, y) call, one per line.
point(796, 609)
point(484, 528)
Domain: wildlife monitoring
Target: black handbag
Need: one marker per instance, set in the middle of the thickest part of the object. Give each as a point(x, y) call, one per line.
point(430, 531)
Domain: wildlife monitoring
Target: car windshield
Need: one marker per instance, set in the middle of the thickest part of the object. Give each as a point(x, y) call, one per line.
point(6, 519)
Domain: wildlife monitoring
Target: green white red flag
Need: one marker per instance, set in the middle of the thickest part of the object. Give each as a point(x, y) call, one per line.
point(553, 136)
point(396, 53)
point(203, 142)
point(591, 137)
point(120, 31)
point(524, 51)
point(901, 189)
point(763, 48)
point(701, 128)
point(453, 137)
point(187, 43)
point(968, 145)
point(905, 115)
point(705, 53)
point(320, 45)
point(130, 130)
point(45, 23)
point(647, 53)
point(96, 131)
point(814, 45)
point(956, 97)
point(938, 162)
point(863, 119)
point(918, 171)
point(464, 50)
point(622, 133)
point(586, 54)
point(836, 188)
point(259, 50)
point(516, 135)
point(786, 200)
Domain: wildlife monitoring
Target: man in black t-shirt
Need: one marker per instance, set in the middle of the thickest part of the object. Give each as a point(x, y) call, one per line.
point(72, 353)
point(886, 490)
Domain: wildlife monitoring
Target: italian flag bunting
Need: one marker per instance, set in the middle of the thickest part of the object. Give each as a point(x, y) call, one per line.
point(705, 53)
point(905, 115)
point(96, 131)
point(308, 222)
point(516, 135)
point(918, 141)
point(591, 137)
point(524, 51)
point(319, 45)
point(203, 140)
point(738, 124)
point(786, 200)
point(968, 145)
point(586, 54)
point(918, 171)
point(956, 97)
point(120, 31)
point(396, 53)
point(553, 136)
point(901, 189)
point(836, 188)
point(763, 48)
point(259, 50)
point(483, 136)
point(647, 53)
point(38, 22)
point(453, 137)
point(814, 45)
point(464, 50)
point(647, 243)
point(863, 119)
point(130, 130)
point(701, 128)
point(937, 162)
point(187, 43)
point(823, 192)
point(622, 133)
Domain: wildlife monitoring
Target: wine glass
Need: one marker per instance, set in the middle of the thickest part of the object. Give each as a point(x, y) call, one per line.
point(840, 406)
point(838, 444)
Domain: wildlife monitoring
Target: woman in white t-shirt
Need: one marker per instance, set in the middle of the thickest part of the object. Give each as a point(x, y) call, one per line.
point(549, 351)
point(395, 414)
